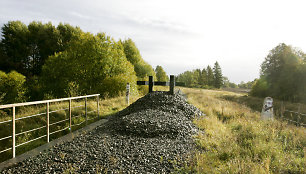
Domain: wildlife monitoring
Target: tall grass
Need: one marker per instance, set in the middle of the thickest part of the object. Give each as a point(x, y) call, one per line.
point(236, 140)
point(107, 107)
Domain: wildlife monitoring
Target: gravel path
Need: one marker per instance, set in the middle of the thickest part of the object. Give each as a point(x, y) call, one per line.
point(152, 135)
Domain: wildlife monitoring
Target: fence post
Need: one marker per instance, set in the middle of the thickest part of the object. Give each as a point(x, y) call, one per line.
point(282, 110)
point(298, 115)
point(48, 130)
point(14, 137)
point(70, 128)
point(127, 93)
point(98, 105)
point(86, 109)
point(151, 84)
point(172, 83)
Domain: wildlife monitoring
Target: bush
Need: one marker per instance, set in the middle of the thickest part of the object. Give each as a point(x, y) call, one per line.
point(12, 88)
point(93, 64)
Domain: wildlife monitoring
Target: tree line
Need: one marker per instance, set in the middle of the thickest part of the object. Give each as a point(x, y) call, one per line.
point(41, 61)
point(282, 75)
point(206, 78)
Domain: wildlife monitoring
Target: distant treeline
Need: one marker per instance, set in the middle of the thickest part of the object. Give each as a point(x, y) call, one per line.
point(206, 78)
point(40, 61)
point(282, 75)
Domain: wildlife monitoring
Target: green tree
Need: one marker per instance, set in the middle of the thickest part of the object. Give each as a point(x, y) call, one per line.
point(161, 74)
point(14, 47)
point(283, 74)
point(218, 78)
point(12, 87)
point(210, 76)
point(95, 64)
point(142, 68)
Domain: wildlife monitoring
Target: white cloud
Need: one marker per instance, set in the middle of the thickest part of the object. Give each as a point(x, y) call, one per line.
point(180, 34)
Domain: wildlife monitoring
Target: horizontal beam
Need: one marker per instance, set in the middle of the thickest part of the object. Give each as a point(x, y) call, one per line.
point(160, 83)
point(44, 101)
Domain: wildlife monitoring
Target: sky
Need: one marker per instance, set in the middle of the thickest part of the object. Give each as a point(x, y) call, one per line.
point(181, 35)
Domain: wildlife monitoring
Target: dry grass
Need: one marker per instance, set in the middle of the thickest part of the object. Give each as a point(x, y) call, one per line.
point(235, 140)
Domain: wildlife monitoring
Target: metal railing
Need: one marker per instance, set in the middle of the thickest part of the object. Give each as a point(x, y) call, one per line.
point(298, 115)
point(48, 124)
point(298, 121)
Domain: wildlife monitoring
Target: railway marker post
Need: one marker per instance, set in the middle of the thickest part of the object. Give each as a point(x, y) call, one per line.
point(128, 93)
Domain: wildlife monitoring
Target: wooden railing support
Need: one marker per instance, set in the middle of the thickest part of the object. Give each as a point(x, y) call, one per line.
point(151, 84)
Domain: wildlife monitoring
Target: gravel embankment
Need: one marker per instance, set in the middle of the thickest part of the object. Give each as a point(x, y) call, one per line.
point(152, 135)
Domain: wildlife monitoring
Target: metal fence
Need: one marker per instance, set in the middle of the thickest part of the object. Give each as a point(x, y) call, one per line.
point(48, 124)
point(294, 117)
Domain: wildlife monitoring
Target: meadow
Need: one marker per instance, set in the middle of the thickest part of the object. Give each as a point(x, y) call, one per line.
point(235, 140)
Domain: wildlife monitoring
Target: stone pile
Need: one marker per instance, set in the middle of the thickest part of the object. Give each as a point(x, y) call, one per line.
point(152, 135)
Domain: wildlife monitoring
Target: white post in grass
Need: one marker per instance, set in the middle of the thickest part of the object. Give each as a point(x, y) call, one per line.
point(267, 109)
point(128, 93)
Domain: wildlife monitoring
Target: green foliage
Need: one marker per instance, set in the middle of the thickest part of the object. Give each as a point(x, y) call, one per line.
point(161, 74)
point(96, 64)
point(207, 78)
point(210, 76)
point(14, 47)
point(283, 71)
point(12, 87)
point(142, 68)
point(26, 48)
point(218, 80)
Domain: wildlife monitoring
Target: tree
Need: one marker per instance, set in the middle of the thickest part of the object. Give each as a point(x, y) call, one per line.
point(217, 75)
point(210, 76)
point(203, 80)
point(14, 46)
point(26, 48)
point(94, 64)
point(161, 74)
point(12, 87)
point(142, 68)
point(283, 74)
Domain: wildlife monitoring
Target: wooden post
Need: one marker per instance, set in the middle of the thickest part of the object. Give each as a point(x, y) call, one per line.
point(14, 137)
point(98, 106)
point(70, 128)
point(172, 83)
point(86, 110)
point(128, 93)
point(48, 130)
point(298, 115)
point(282, 110)
point(151, 84)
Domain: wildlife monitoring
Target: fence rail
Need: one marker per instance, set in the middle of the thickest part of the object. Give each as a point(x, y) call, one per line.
point(48, 124)
point(299, 115)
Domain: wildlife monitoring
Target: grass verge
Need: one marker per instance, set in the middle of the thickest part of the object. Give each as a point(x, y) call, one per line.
point(236, 140)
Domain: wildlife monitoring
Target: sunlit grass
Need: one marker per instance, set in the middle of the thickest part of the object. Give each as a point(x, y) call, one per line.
point(236, 140)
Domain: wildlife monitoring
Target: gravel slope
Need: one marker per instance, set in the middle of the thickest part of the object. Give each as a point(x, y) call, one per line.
point(152, 135)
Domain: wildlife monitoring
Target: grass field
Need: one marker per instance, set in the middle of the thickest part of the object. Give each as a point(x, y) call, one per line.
point(235, 140)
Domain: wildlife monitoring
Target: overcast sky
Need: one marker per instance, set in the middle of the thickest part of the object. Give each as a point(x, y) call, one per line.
point(181, 35)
